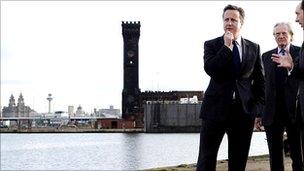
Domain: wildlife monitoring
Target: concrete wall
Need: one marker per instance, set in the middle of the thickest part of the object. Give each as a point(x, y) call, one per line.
point(172, 117)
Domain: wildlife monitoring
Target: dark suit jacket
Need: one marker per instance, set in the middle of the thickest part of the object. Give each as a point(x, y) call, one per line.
point(218, 65)
point(299, 72)
point(290, 88)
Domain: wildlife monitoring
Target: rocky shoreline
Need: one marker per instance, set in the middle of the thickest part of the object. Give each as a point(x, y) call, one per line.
point(254, 163)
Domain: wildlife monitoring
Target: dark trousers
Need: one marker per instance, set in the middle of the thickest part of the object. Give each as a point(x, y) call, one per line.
point(274, 135)
point(300, 121)
point(238, 127)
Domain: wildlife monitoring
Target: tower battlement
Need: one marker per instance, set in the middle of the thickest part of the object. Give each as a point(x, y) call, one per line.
point(131, 29)
point(130, 23)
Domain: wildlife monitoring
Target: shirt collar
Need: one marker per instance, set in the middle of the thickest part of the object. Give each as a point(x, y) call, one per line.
point(286, 48)
point(239, 41)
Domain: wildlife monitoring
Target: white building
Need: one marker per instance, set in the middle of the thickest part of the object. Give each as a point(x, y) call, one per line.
point(71, 111)
point(79, 112)
point(109, 112)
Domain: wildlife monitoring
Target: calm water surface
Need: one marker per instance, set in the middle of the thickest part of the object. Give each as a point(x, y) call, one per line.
point(106, 151)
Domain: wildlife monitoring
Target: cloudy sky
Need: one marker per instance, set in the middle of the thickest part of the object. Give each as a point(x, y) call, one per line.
point(74, 49)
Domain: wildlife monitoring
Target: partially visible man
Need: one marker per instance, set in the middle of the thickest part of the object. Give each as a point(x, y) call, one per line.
point(234, 96)
point(280, 102)
point(297, 67)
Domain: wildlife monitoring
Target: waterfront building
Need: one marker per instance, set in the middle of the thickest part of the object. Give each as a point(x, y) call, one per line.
point(114, 123)
point(79, 112)
point(111, 111)
point(1, 111)
point(61, 114)
point(172, 116)
point(71, 111)
point(133, 99)
point(19, 110)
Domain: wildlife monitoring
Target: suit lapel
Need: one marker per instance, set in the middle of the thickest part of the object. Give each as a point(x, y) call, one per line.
point(221, 41)
point(245, 55)
point(269, 60)
point(302, 50)
point(292, 52)
point(271, 65)
point(301, 61)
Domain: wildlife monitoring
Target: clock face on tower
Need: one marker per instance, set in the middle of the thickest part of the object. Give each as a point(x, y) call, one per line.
point(130, 53)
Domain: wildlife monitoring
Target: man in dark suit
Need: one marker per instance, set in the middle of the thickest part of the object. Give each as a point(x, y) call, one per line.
point(234, 96)
point(297, 68)
point(280, 102)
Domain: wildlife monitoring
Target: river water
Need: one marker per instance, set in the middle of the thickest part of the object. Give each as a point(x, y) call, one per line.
point(106, 151)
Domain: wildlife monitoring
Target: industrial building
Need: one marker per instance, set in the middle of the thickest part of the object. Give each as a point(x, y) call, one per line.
point(155, 111)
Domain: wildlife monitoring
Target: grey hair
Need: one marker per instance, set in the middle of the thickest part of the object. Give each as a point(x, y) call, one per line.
point(284, 24)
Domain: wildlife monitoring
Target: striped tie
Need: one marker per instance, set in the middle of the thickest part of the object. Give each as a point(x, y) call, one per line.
point(282, 51)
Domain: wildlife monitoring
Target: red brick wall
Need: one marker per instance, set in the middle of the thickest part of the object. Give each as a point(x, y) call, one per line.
point(114, 123)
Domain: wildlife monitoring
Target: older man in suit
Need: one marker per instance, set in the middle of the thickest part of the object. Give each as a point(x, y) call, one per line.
point(234, 96)
point(280, 102)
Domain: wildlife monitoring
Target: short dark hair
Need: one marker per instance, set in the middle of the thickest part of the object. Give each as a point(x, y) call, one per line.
point(239, 9)
point(302, 5)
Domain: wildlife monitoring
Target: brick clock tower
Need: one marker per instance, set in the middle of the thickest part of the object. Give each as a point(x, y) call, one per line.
point(131, 91)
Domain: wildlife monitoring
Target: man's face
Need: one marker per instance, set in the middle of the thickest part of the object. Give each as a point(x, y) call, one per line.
point(300, 15)
point(282, 36)
point(232, 22)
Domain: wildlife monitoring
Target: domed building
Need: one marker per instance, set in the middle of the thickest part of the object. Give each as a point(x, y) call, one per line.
point(79, 112)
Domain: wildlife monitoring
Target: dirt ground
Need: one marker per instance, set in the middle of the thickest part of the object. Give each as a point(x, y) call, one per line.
point(256, 163)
